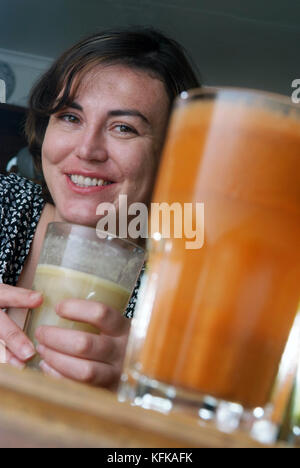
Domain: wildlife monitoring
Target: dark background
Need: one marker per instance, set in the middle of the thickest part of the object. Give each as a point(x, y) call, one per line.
point(248, 43)
point(253, 43)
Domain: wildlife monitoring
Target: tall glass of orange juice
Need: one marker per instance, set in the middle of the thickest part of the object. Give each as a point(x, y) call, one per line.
point(215, 316)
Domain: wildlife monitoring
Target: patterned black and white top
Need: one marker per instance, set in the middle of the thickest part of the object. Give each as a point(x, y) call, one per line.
point(21, 205)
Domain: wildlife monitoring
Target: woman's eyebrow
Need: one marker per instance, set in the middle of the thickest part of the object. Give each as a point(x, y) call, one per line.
point(75, 105)
point(130, 112)
point(116, 112)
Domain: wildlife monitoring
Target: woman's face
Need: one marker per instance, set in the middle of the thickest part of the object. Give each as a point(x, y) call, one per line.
point(106, 143)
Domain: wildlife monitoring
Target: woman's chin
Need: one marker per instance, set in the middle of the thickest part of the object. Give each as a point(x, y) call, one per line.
point(77, 217)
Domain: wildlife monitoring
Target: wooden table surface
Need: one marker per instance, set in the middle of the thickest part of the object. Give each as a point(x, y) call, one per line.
point(38, 411)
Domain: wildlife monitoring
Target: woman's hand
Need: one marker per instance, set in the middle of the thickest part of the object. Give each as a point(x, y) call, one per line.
point(19, 348)
point(81, 356)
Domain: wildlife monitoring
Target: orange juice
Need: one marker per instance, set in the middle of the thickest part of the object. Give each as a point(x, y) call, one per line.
point(222, 314)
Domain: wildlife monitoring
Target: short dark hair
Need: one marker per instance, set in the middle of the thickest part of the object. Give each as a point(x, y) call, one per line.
point(140, 48)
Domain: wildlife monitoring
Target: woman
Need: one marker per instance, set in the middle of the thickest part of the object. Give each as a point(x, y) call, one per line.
point(96, 126)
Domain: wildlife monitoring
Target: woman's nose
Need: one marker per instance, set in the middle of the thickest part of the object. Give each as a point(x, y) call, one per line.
point(92, 145)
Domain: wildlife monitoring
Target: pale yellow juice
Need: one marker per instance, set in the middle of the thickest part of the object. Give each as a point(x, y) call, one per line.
point(58, 283)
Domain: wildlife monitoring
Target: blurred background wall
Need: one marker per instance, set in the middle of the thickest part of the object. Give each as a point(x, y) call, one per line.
point(252, 43)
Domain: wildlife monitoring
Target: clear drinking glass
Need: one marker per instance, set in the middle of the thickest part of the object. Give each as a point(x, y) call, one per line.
point(290, 428)
point(295, 410)
point(76, 263)
point(212, 323)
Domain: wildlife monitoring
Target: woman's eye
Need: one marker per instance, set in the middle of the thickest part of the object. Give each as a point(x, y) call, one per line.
point(125, 129)
point(69, 118)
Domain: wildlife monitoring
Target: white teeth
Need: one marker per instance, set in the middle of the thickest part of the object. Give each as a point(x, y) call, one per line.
point(87, 181)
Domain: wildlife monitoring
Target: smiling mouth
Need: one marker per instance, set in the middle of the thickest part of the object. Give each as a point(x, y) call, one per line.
point(82, 181)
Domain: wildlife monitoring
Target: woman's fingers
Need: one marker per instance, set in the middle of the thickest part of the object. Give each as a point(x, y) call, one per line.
point(85, 357)
point(11, 296)
point(106, 319)
point(81, 370)
point(75, 343)
point(9, 358)
point(49, 370)
point(16, 341)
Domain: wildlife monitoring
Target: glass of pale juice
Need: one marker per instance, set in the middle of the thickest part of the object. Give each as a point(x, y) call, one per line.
point(77, 263)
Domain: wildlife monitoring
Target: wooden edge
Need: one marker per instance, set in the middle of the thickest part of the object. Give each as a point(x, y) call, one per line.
point(101, 405)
